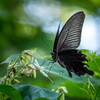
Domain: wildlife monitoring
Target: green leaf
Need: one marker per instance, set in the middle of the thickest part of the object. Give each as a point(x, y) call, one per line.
point(10, 91)
point(42, 99)
point(10, 58)
point(56, 69)
point(95, 80)
point(30, 92)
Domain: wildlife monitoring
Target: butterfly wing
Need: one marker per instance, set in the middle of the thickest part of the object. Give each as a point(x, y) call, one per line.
point(56, 39)
point(72, 60)
point(70, 35)
point(65, 45)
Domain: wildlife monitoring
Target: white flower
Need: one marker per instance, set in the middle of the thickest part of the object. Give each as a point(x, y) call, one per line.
point(37, 65)
point(42, 70)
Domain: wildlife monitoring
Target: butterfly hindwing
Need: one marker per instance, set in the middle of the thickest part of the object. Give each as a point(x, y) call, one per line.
point(73, 62)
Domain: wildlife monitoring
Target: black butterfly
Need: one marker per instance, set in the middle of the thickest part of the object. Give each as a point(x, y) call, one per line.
point(66, 42)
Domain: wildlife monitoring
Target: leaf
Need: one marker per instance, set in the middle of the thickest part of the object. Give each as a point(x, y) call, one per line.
point(95, 80)
point(62, 72)
point(30, 92)
point(10, 58)
point(10, 91)
point(56, 69)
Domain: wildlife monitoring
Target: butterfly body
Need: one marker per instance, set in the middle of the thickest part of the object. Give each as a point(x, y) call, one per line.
point(66, 42)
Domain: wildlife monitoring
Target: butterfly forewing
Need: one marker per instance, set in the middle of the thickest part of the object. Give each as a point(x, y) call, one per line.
point(56, 39)
point(70, 35)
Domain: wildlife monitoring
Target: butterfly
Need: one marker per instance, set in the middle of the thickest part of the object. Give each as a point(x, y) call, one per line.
point(65, 44)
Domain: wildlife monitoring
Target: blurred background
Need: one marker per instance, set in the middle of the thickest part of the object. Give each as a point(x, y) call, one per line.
point(27, 24)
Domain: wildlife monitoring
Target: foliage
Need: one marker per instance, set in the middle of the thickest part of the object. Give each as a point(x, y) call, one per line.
point(27, 64)
point(20, 30)
point(10, 91)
